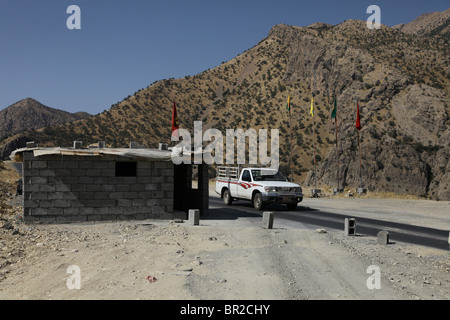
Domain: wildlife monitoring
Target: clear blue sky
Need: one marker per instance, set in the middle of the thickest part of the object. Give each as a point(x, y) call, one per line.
point(124, 46)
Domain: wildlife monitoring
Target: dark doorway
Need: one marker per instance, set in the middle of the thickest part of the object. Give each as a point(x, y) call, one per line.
point(189, 194)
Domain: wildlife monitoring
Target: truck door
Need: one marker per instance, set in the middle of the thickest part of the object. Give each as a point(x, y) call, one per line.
point(245, 188)
point(233, 186)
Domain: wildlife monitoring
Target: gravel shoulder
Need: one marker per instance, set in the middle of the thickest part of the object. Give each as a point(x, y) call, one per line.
point(210, 262)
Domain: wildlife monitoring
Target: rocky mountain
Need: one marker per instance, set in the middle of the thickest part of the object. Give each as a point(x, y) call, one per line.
point(400, 79)
point(435, 23)
point(29, 114)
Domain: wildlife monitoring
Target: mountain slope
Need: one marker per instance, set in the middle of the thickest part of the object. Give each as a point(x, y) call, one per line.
point(401, 80)
point(29, 114)
point(435, 23)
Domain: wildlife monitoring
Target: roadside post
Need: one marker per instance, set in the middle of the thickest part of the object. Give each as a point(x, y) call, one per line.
point(350, 227)
point(268, 220)
point(194, 217)
point(383, 237)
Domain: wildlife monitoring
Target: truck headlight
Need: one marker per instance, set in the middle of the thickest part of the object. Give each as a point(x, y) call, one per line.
point(270, 189)
point(298, 190)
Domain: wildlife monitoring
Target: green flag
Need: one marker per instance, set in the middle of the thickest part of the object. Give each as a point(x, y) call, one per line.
point(334, 111)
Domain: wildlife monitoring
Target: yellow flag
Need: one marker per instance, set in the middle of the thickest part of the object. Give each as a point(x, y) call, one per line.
point(288, 105)
point(312, 107)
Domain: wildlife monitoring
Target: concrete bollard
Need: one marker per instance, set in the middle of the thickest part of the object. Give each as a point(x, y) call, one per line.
point(361, 190)
point(268, 220)
point(194, 217)
point(163, 146)
point(350, 227)
point(315, 193)
point(31, 144)
point(383, 237)
point(77, 144)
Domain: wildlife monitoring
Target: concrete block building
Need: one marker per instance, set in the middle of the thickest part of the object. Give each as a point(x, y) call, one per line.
point(96, 184)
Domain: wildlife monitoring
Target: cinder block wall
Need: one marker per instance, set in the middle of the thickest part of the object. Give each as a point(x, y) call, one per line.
point(86, 188)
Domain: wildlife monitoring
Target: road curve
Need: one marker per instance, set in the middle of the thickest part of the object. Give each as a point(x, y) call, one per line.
point(311, 216)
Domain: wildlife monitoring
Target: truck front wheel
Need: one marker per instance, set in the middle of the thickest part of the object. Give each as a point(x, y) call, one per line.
point(227, 199)
point(257, 201)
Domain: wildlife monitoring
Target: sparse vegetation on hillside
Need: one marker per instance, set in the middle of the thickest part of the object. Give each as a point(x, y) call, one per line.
point(395, 76)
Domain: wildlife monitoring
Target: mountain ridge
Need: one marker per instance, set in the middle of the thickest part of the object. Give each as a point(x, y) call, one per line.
point(401, 81)
point(29, 114)
point(433, 23)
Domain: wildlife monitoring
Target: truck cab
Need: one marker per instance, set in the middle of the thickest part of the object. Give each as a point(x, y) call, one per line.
point(260, 185)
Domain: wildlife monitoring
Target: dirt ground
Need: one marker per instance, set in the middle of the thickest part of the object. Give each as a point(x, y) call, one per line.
point(115, 260)
point(217, 260)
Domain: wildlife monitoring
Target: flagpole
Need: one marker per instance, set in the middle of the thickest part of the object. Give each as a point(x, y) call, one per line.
point(314, 146)
point(290, 129)
point(360, 165)
point(334, 116)
point(337, 152)
point(288, 106)
point(358, 128)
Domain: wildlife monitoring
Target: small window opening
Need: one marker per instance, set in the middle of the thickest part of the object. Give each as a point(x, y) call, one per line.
point(126, 169)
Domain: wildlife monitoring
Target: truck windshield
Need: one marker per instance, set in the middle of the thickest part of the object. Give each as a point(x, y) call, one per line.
point(268, 175)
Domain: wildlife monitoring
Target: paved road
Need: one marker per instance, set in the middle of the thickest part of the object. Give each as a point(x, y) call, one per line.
point(320, 214)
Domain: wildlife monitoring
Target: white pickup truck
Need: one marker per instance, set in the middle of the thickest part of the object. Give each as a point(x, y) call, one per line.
point(259, 185)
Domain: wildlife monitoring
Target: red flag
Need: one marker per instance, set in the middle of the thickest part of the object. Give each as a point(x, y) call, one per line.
point(175, 125)
point(358, 119)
